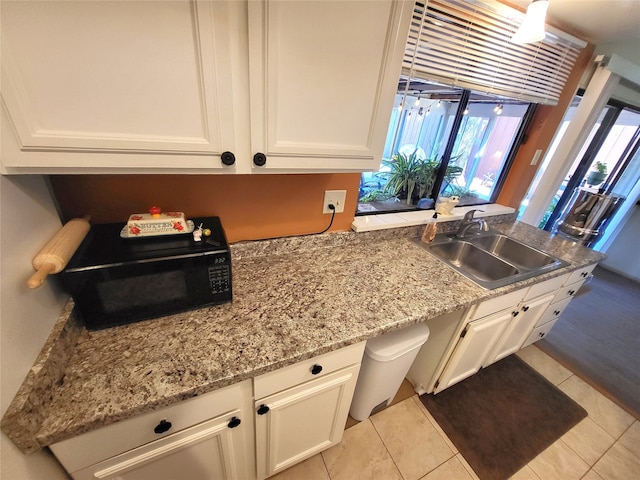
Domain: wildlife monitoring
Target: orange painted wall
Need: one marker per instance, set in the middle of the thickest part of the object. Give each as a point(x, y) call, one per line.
point(543, 127)
point(251, 207)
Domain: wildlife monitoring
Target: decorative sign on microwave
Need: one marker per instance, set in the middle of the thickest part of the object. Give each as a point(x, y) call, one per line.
point(156, 223)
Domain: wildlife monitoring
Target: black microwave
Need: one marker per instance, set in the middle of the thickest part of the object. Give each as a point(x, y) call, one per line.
point(115, 280)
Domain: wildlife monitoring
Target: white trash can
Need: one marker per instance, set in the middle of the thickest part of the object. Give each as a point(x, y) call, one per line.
point(386, 361)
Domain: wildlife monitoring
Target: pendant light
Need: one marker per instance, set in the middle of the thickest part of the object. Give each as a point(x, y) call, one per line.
point(532, 28)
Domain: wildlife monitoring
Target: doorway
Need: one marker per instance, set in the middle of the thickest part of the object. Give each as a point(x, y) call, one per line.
point(607, 162)
point(603, 159)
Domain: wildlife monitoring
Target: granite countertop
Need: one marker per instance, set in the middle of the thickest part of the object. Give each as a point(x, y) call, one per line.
point(293, 299)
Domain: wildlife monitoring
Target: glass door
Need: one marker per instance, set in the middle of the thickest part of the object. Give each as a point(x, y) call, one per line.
point(603, 159)
point(487, 133)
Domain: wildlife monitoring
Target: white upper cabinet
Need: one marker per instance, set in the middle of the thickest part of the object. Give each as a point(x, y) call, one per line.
point(118, 85)
point(323, 77)
point(169, 86)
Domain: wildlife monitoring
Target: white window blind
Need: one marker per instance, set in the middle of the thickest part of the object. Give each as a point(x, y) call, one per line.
point(466, 43)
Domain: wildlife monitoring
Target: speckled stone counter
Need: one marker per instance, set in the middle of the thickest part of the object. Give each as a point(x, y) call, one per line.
point(293, 299)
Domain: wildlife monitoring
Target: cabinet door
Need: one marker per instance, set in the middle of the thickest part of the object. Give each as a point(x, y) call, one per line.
point(81, 451)
point(91, 86)
point(299, 422)
point(519, 328)
point(212, 449)
point(467, 358)
point(323, 76)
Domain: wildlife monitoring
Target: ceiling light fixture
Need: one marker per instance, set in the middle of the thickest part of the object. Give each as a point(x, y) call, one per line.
point(532, 28)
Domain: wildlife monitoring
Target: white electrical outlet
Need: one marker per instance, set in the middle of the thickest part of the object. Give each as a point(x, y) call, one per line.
point(335, 198)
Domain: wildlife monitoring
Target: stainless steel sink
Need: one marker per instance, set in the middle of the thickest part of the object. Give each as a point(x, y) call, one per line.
point(475, 262)
point(492, 260)
point(513, 251)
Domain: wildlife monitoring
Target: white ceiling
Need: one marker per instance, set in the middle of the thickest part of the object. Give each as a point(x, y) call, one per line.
point(597, 21)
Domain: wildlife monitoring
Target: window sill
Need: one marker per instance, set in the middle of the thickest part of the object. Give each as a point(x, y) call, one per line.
point(367, 223)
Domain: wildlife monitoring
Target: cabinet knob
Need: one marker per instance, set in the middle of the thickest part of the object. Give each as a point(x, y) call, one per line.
point(234, 422)
point(259, 159)
point(525, 308)
point(263, 409)
point(228, 158)
point(316, 369)
point(515, 313)
point(162, 427)
point(571, 292)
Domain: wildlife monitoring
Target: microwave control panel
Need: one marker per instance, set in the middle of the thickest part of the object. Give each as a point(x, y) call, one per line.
point(220, 278)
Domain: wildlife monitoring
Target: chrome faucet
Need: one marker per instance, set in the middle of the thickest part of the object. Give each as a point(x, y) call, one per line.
point(469, 222)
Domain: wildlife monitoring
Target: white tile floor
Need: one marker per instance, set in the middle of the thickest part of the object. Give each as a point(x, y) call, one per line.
point(404, 442)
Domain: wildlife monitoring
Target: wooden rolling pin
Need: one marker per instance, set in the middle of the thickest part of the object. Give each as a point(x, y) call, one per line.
point(58, 251)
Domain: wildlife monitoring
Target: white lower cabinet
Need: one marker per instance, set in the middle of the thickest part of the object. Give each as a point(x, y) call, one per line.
point(300, 410)
point(309, 416)
point(517, 331)
point(207, 451)
point(206, 437)
point(561, 299)
point(424, 371)
point(500, 326)
point(476, 340)
point(476, 337)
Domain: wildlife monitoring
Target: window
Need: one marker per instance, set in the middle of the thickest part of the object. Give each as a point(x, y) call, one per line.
point(460, 116)
point(443, 141)
point(483, 142)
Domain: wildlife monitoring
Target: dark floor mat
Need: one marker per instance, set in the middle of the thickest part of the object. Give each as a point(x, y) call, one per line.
point(503, 417)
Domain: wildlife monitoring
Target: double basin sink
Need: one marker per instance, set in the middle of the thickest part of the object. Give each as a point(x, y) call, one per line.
point(492, 259)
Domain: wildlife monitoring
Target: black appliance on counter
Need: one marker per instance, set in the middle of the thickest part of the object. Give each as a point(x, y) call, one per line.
point(115, 280)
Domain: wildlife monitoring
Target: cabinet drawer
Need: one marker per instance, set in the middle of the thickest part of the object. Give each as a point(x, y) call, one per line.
point(539, 333)
point(497, 304)
point(293, 375)
point(580, 274)
point(554, 311)
point(547, 286)
point(86, 449)
point(568, 291)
